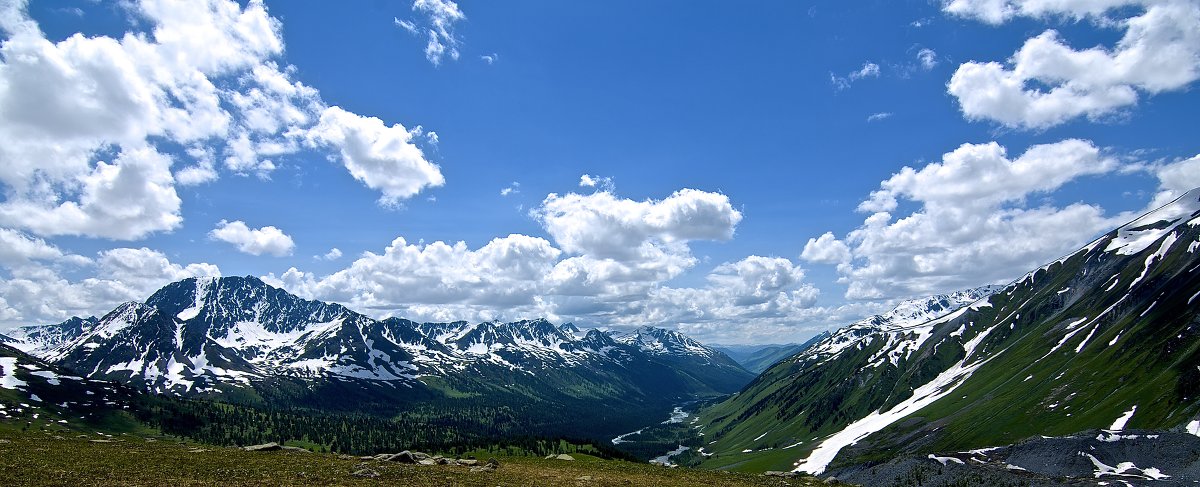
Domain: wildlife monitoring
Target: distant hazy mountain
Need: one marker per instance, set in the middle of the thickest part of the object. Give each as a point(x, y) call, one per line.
point(1107, 337)
point(757, 358)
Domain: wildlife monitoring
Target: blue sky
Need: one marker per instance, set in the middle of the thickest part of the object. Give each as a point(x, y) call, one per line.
point(724, 139)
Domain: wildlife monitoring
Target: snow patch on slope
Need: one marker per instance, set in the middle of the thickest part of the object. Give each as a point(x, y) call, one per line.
point(941, 386)
point(1139, 234)
point(1119, 424)
point(1156, 256)
point(8, 370)
point(1125, 469)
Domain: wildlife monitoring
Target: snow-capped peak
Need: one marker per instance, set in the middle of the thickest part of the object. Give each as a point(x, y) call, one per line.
point(661, 341)
point(905, 327)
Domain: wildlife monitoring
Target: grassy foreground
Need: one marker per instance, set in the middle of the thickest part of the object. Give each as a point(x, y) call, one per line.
point(71, 458)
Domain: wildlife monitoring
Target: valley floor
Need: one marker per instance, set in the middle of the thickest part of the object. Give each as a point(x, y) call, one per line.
point(76, 459)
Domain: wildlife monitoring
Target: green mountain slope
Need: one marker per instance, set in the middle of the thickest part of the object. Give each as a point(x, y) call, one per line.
point(1107, 337)
point(33, 393)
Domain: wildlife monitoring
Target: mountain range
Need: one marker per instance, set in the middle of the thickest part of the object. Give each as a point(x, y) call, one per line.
point(1105, 338)
point(240, 340)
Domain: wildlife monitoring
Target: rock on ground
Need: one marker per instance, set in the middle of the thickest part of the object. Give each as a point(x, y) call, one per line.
point(365, 473)
point(272, 446)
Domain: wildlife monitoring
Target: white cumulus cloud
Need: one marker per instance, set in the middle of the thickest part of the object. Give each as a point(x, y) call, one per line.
point(608, 261)
point(83, 120)
point(126, 199)
point(254, 241)
point(333, 254)
point(826, 249)
point(36, 290)
point(1048, 82)
point(381, 157)
point(603, 225)
point(973, 224)
point(505, 272)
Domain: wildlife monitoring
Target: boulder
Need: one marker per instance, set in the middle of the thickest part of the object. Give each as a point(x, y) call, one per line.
point(420, 456)
point(428, 461)
point(775, 473)
point(100, 441)
point(468, 462)
point(295, 448)
point(272, 446)
point(402, 457)
point(832, 480)
point(365, 473)
point(484, 468)
point(493, 462)
point(564, 456)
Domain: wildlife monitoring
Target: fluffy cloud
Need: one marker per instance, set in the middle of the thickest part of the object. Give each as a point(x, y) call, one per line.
point(609, 263)
point(602, 225)
point(127, 199)
point(333, 254)
point(982, 175)
point(254, 241)
point(36, 291)
point(1175, 178)
point(999, 11)
point(590, 181)
point(621, 248)
point(972, 226)
point(1180, 177)
point(1047, 82)
point(202, 75)
point(438, 19)
point(383, 158)
point(766, 291)
point(19, 250)
point(203, 171)
point(142, 271)
point(506, 272)
point(826, 249)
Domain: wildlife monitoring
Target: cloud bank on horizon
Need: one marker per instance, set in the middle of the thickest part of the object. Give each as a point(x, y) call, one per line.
point(110, 142)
